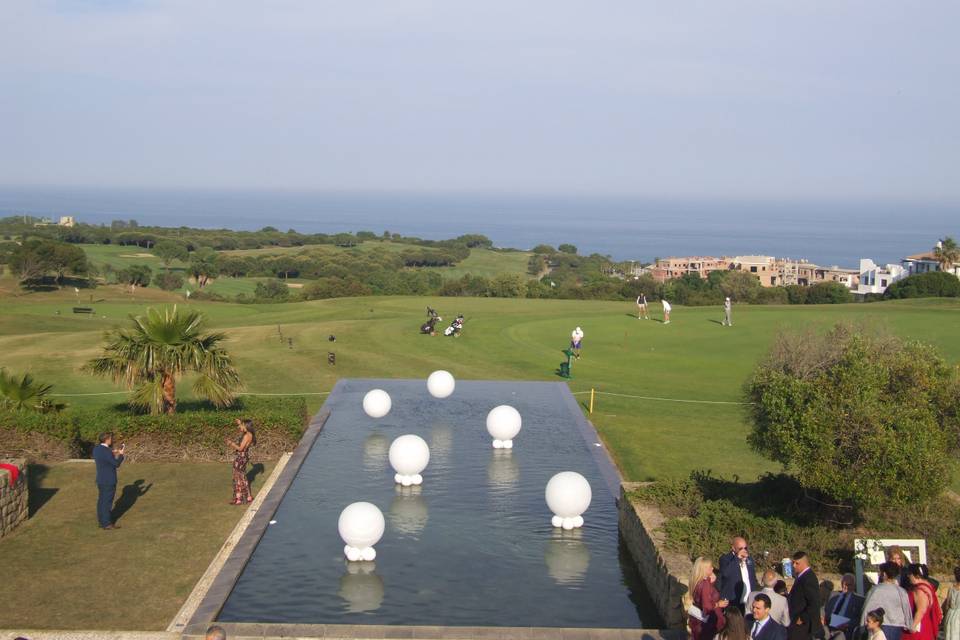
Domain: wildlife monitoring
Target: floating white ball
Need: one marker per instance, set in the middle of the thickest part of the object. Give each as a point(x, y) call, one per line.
point(377, 403)
point(416, 479)
point(409, 455)
point(352, 553)
point(568, 495)
point(498, 444)
point(503, 423)
point(440, 384)
point(556, 521)
point(361, 525)
point(368, 554)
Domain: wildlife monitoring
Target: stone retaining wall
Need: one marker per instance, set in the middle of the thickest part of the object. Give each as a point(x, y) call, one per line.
point(13, 499)
point(664, 573)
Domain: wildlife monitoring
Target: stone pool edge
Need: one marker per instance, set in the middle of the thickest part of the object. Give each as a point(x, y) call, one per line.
point(222, 585)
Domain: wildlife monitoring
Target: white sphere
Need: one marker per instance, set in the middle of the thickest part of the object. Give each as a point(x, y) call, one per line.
point(568, 494)
point(409, 455)
point(567, 523)
point(398, 478)
point(556, 521)
point(361, 525)
point(353, 554)
point(498, 444)
point(508, 444)
point(377, 403)
point(440, 384)
point(578, 521)
point(416, 479)
point(503, 422)
point(368, 554)
point(406, 481)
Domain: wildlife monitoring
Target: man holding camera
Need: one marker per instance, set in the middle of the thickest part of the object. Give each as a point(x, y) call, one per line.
point(107, 459)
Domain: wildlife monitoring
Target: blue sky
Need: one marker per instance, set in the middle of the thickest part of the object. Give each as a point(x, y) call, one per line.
point(767, 99)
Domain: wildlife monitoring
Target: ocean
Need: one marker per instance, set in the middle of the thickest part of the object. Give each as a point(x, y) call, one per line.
point(825, 233)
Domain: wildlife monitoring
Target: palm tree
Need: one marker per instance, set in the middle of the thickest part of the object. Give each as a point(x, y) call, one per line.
point(24, 393)
point(947, 254)
point(150, 356)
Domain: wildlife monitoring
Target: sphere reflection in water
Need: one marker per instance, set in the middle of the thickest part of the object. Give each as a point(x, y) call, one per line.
point(408, 512)
point(567, 558)
point(441, 440)
point(377, 403)
point(361, 588)
point(375, 448)
point(503, 470)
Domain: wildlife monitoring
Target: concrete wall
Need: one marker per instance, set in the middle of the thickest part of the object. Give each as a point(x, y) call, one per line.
point(665, 573)
point(13, 499)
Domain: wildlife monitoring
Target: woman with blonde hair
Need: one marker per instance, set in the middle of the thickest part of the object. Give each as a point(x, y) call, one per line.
point(704, 606)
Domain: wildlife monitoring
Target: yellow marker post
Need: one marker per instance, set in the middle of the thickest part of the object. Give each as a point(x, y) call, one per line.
point(591, 399)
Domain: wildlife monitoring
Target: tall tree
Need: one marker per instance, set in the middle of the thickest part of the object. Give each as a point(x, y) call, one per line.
point(170, 250)
point(203, 266)
point(150, 356)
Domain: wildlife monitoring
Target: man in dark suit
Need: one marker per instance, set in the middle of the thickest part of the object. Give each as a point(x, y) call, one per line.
point(760, 626)
point(107, 459)
point(843, 610)
point(738, 574)
point(804, 601)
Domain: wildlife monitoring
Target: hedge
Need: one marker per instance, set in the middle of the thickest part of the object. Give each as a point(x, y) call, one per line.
point(196, 432)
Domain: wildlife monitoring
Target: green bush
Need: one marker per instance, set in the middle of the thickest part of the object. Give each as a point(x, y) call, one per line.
point(925, 285)
point(274, 290)
point(828, 293)
point(777, 518)
point(196, 432)
point(868, 420)
point(168, 281)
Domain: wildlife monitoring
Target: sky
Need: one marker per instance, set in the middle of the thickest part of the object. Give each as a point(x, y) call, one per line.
point(768, 99)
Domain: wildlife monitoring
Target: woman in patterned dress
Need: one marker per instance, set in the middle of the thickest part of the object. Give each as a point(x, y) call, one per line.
point(248, 438)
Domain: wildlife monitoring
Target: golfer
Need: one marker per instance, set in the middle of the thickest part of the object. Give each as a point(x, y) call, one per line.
point(575, 339)
point(666, 311)
point(642, 307)
point(727, 308)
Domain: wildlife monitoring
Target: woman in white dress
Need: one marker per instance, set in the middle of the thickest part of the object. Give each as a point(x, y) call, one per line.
point(951, 609)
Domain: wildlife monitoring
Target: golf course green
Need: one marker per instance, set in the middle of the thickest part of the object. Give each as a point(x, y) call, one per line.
point(668, 395)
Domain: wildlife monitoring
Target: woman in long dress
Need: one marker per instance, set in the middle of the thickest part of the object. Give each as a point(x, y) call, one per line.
point(246, 439)
point(951, 608)
point(927, 615)
point(705, 597)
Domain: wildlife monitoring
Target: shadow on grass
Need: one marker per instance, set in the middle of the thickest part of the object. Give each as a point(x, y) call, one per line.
point(255, 471)
point(715, 322)
point(128, 497)
point(38, 495)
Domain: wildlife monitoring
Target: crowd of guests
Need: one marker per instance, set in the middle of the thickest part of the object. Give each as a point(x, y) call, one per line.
point(729, 603)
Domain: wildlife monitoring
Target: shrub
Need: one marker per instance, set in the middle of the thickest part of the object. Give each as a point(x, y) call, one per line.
point(828, 293)
point(866, 420)
point(196, 433)
point(923, 285)
point(272, 290)
point(168, 281)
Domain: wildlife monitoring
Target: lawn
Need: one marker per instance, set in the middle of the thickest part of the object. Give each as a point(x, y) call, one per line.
point(693, 358)
point(488, 263)
point(120, 257)
point(68, 574)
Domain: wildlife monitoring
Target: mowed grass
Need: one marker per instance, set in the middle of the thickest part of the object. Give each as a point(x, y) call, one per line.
point(488, 263)
point(120, 257)
point(678, 368)
point(71, 575)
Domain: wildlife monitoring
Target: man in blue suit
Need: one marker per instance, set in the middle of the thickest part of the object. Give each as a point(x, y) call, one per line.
point(760, 626)
point(738, 574)
point(107, 459)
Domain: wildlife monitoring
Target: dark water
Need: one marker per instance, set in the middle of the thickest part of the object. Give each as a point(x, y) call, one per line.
point(472, 546)
point(626, 229)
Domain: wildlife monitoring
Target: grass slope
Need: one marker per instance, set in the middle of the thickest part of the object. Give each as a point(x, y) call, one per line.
point(488, 263)
point(693, 358)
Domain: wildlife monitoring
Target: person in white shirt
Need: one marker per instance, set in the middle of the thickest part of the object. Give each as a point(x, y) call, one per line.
point(575, 339)
point(727, 311)
point(666, 311)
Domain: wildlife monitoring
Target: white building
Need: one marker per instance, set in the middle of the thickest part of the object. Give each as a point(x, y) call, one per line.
point(876, 279)
point(927, 262)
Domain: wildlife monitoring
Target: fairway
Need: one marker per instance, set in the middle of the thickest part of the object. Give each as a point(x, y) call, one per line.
point(680, 369)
